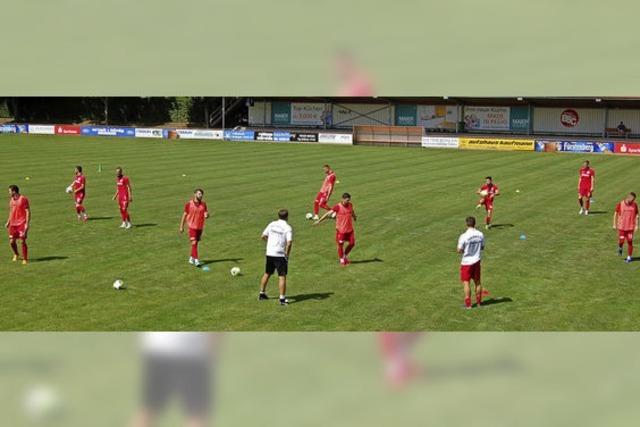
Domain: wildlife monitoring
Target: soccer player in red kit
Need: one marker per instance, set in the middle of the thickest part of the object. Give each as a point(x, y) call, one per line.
point(18, 222)
point(79, 190)
point(345, 215)
point(125, 196)
point(325, 192)
point(492, 191)
point(625, 220)
point(195, 213)
point(586, 184)
point(399, 366)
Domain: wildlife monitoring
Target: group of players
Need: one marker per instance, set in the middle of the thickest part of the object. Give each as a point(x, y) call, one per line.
point(279, 234)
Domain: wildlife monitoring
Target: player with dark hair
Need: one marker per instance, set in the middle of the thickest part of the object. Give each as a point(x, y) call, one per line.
point(586, 184)
point(195, 213)
point(488, 192)
point(279, 237)
point(470, 244)
point(345, 215)
point(124, 194)
point(625, 220)
point(78, 187)
point(322, 198)
point(18, 222)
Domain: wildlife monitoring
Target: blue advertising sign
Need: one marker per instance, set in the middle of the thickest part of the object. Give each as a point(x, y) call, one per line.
point(585, 147)
point(281, 136)
point(107, 131)
point(239, 135)
point(8, 129)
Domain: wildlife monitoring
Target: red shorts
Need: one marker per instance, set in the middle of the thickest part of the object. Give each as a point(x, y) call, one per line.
point(195, 234)
point(346, 237)
point(79, 198)
point(488, 204)
point(584, 192)
point(625, 234)
point(468, 272)
point(17, 232)
point(322, 198)
point(124, 204)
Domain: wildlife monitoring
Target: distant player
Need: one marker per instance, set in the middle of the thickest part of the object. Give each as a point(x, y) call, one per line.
point(18, 222)
point(195, 213)
point(586, 185)
point(625, 220)
point(124, 194)
point(395, 349)
point(470, 245)
point(322, 198)
point(345, 215)
point(79, 191)
point(279, 237)
point(488, 192)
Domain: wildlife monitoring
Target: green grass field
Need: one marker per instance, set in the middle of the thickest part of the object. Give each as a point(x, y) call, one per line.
point(411, 205)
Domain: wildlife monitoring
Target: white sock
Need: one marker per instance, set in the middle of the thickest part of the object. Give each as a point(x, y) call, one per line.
point(282, 297)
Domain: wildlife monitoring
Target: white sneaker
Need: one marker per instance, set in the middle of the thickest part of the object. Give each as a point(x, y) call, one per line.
point(123, 225)
point(586, 212)
point(581, 211)
point(191, 260)
point(315, 217)
point(127, 226)
point(197, 262)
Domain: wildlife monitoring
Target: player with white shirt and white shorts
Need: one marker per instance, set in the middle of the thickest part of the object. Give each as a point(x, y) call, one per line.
point(470, 245)
point(279, 237)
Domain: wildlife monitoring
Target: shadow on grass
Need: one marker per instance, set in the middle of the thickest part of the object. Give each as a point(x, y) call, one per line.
point(48, 258)
point(492, 301)
point(597, 212)
point(366, 261)
point(506, 366)
point(303, 297)
point(213, 261)
point(99, 218)
point(144, 225)
point(499, 226)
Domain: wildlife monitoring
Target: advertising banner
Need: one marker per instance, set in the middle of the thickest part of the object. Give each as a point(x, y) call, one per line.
point(107, 131)
point(486, 118)
point(307, 114)
point(281, 136)
point(264, 136)
point(41, 129)
point(199, 133)
point(303, 137)
point(8, 129)
point(67, 130)
point(406, 115)
point(280, 113)
point(239, 135)
point(626, 148)
point(437, 116)
point(336, 138)
point(148, 133)
point(519, 117)
point(578, 146)
point(501, 144)
point(440, 142)
point(546, 146)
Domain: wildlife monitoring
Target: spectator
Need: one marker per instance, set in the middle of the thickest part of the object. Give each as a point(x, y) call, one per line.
point(622, 129)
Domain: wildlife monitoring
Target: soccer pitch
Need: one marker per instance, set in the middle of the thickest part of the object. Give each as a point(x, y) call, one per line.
point(411, 205)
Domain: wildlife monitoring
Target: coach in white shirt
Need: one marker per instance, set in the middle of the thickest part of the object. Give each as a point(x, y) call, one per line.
point(470, 245)
point(279, 237)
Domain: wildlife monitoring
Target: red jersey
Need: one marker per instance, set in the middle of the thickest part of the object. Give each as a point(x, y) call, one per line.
point(195, 214)
point(627, 214)
point(586, 177)
point(122, 185)
point(329, 181)
point(18, 211)
point(344, 217)
point(491, 189)
point(79, 182)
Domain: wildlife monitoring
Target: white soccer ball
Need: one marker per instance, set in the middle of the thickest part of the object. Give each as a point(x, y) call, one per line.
point(333, 215)
point(234, 271)
point(309, 215)
point(69, 189)
point(118, 284)
point(41, 403)
point(484, 193)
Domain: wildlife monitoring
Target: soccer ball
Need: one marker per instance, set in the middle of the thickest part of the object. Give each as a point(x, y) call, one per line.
point(69, 189)
point(333, 215)
point(484, 193)
point(41, 403)
point(235, 271)
point(309, 215)
point(118, 284)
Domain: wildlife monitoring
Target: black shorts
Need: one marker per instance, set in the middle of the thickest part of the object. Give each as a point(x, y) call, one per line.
point(185, 379)
point(279, 263)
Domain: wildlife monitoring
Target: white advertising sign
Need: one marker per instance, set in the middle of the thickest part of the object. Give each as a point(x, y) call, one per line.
point(200, 133)
point(148, 133)
point(437, 116)
point(440, 142)
point(486, 118)
point(336, 138)
point(42, 129)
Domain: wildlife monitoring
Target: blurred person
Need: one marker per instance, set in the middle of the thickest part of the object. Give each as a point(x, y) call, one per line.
point(492, 191)
point(345, 215)
point(322, 198)
point(470, 245)
point(18, 222)
point(622, 129)
point(195, 213)
point(586, 184)
point(124, 194)
point(78, 187)
point(177, 365)
point(279, 237)
point(625, 220)
point(395, 349)
point(352, 80)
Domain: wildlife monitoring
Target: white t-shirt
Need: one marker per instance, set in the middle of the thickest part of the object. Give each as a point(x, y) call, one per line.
point(279, 233)
point(177, 344)
point(471, 242)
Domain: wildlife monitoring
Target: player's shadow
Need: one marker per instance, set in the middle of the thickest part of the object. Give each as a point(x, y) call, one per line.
point(635, 258)
point(49, 258)
point(492, 301)
point(499, 226)
point(145, 225)
point(597, 212)
point(213, 261)
point(366, 261)
point(304, 297)
point(99, 218)
point(505, 366)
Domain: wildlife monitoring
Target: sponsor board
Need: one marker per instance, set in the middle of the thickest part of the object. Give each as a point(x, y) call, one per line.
point(437, 116)
point(41, 129)
point(199, 133)
point(303, 137)
point(626, 148)
point(569, 118)
point(239, 135)
point(264, 136)
point(546, 146)
point(487, 118)
point(502, 144)
point(107, 131)
point(67, 130)
point(307, 114)
point(148, 133)
point(440, 142)
point(585, 147)
point(8, 129)
point(282, 136)
point(335, 138)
